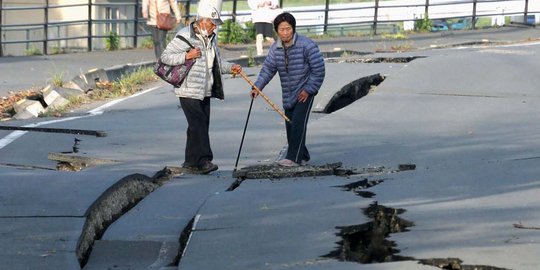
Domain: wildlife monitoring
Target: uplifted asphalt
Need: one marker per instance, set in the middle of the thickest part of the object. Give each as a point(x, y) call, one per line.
point(35, 72)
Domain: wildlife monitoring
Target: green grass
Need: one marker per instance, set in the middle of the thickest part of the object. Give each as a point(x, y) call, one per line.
point(58, 79)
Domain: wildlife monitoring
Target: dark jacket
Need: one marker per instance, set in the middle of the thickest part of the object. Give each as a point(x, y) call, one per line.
point(300, 67)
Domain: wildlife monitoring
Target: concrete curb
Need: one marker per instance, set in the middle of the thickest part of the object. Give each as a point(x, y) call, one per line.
point(58, 97)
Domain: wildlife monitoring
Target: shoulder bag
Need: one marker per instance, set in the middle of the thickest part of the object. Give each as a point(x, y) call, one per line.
point(164, 21)
point(174, 75)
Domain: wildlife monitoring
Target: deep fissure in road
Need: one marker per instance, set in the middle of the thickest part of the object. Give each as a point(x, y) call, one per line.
point(368, 243)
point(184, 240)
point(352, 92)
point(359, 187)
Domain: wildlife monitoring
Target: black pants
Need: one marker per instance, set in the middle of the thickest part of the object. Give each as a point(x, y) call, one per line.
point(198, 141)
point(296, 130)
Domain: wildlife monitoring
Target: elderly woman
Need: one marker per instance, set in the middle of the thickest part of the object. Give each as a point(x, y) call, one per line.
point(203, 82)
point(301, 70)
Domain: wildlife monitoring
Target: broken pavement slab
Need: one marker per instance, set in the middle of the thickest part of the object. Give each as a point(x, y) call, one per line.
point(275, 171)
point(53, 99)
point(87, 81)
point(27, 108)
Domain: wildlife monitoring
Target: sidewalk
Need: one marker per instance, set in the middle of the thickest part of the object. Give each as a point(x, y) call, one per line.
point(26, 72)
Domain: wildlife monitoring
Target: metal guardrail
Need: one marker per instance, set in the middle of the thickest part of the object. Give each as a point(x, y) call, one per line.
point(135, 23)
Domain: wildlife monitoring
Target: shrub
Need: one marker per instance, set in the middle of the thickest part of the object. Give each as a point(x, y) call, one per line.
point(423, 25)
point(232, 32)
point(112, 42)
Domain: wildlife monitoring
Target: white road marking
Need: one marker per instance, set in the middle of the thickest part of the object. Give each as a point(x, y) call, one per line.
point(97, 111)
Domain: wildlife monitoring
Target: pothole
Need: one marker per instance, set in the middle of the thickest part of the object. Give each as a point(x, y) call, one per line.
point(351, 92)
point(367, 243)
point(113, 203)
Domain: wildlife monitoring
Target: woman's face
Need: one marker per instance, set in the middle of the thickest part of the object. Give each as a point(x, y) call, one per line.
point(208, 25)
point(285, 32)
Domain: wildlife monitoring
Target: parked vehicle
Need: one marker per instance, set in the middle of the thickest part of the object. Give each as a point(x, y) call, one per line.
point(439, 25)
point(459, 24)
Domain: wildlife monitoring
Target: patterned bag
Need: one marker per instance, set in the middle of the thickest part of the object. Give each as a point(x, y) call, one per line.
point(174, 75)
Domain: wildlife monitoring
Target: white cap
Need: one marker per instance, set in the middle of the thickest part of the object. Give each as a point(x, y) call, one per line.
point(210, 9)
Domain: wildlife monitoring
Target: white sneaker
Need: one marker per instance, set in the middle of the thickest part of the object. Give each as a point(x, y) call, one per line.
point(287, 163)
point(303, 162)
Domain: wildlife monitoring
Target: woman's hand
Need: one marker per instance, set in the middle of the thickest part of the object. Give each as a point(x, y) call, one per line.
point(193, 53)
point(303, 96)
point(236, 69)
point(254, 93)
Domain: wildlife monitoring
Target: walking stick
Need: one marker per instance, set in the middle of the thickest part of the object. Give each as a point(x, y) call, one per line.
point(243, 135)
point(264, 96)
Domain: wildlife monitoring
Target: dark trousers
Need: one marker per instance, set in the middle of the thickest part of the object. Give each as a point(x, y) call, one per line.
point(296, 130)
point(159, 39)
point(198, 141)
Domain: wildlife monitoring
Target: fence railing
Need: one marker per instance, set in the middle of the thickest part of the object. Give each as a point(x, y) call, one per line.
point(45, 28)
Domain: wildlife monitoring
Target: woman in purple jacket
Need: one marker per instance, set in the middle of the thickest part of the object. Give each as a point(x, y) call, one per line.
point(301, 70)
